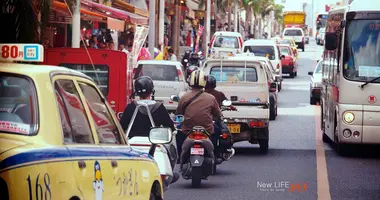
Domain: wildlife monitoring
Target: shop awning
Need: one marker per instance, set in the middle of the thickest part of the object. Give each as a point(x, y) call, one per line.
point(117, 13)
point(63, 7)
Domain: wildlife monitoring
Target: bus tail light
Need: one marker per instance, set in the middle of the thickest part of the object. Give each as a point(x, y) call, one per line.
point(356, 134)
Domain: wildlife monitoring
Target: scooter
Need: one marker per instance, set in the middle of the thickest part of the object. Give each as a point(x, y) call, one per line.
point(165, 155)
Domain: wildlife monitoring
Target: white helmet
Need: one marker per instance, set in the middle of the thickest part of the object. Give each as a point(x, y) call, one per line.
point(198, 79)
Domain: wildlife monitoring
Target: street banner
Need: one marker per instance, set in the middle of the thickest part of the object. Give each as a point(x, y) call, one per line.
point(199, 34)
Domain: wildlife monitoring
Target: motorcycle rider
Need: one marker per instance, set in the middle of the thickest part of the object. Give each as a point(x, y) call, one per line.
point(144, 88)
point(199, 109)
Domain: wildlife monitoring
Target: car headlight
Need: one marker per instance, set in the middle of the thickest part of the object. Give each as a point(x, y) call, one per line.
point(348, 117)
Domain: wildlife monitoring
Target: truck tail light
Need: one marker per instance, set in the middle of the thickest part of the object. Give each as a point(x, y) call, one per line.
point(179, 74)
point(254, 124)
point(241, 42)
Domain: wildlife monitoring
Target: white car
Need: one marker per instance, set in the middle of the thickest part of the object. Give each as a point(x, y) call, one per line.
point(168, 78)
point(321, 36)
point(297, 34)
point(266, 48)
point(225, 43)
point(316, 83)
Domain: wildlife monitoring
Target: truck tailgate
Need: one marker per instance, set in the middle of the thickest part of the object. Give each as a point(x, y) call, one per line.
point(247, 112)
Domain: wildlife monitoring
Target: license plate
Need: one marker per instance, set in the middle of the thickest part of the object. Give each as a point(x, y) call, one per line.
point(197, 151)
point(234, 128)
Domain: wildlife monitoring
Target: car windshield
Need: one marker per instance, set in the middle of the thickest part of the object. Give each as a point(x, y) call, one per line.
point(226, 42)
point(284, 42)
point(362, 50)
point(234, 74)
point(318, 68)
point(285, 51)
point(261, 51)
point(160, 72)
point(18, 105)
point(293, 32)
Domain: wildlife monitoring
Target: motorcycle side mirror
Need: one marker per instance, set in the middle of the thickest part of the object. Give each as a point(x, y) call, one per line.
point(159, 135)
point(227, 103)
point(310, 73)
point(174, 98)
point(179, 118)
point(273, 85)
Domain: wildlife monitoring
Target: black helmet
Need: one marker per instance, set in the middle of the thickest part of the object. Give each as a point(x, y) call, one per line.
point(211, 82)
point(144, 85)
point(190, 70)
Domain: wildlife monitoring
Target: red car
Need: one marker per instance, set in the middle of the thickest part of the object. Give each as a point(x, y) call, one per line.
point(289, 64)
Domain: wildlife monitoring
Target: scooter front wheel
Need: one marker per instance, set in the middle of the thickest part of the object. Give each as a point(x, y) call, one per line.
point(196, 177)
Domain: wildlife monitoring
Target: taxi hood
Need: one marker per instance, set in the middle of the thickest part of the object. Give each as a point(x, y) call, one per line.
point(8, 144)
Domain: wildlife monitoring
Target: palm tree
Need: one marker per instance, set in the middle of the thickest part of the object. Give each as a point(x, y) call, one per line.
point(24, 20)
point(278, 12)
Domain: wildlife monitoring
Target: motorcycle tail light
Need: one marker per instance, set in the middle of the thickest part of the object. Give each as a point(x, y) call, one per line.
point(197, 146)
point(198, 136)
point(256, 124)
point(224, 136)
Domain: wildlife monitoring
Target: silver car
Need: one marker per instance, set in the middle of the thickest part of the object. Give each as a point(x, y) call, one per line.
point(168, 78)
point(316, 84)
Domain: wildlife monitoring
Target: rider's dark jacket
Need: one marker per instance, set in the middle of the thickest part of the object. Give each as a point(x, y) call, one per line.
point(219, 96)
point(142, 124)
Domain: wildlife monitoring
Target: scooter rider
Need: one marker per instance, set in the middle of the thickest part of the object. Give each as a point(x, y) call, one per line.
point(199, 109)
point(144, 88)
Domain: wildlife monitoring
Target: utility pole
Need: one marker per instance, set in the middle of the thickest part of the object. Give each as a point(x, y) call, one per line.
point(236, 18)
point(208, 28)
point(75, 39)
point(152, 27)
point(176, 28)
point(161, 25)
point(229, 14)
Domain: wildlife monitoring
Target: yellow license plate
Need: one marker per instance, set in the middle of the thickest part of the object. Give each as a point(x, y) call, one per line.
point(234, 128)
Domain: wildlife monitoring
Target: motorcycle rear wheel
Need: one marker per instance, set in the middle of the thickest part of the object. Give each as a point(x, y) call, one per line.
point(196, 177)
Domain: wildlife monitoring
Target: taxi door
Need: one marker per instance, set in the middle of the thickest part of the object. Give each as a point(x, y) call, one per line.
point(90, 164)
point(126, 168)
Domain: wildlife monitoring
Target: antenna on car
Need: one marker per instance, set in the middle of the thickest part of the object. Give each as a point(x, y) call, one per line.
point(84, 44)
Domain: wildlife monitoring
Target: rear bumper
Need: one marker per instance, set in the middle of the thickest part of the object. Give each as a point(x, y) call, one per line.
point(248, 133)
point(315, 93)
point(287, 69)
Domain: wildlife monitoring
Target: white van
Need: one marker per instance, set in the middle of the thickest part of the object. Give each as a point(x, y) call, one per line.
point(168, 79)
point(264, 48)
point(297, 34)
point(225, 44)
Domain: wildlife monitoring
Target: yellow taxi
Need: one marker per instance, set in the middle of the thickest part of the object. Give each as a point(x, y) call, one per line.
point(59, 138)
point(292, 43)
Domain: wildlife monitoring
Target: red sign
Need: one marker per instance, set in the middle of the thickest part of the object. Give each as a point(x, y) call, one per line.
point(372, 99)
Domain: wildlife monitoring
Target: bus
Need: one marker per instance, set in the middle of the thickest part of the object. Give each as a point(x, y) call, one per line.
point(350, 112)
point(321, 20)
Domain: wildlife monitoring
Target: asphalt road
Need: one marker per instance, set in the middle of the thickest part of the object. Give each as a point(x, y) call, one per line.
point(297, 157)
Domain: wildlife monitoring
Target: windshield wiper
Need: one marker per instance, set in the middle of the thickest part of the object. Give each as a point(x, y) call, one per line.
point(367, 82)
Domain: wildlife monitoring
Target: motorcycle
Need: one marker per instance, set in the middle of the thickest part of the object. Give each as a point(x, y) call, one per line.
point(223, 149)
point(165, 154)
point(197, 160)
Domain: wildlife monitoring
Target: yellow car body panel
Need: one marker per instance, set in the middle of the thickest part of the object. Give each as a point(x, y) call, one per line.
point(42, 165)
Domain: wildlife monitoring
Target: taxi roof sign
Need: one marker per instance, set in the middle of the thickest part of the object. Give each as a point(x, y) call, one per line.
point(21, 52)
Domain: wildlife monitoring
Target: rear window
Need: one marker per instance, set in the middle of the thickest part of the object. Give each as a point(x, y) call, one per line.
point(99, 73)
point(234, 74)
point(293, 32)
point(285, 51)
point(159, 72)
point(262, 51)
point(226, 42)
point(18, 105)
point(285, 42)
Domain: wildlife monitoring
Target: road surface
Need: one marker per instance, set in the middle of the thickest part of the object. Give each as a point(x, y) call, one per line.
point(299, 166)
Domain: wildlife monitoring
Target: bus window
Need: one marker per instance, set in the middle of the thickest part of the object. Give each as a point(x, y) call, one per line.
point(362, 47)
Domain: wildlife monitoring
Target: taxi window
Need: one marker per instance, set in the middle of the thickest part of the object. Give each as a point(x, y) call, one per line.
point(76, 128)
point(106, 129)
point(18, 105)
point(262, 51)
point(234, 74)
point(99, 73)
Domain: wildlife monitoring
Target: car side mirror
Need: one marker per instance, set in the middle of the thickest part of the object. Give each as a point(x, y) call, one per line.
point(174, 98)
point(310, 73)
point(226, 103)
point(159, 135)
point(179, 118)
point(330, 41)
point(282, 57)
point(273, 85)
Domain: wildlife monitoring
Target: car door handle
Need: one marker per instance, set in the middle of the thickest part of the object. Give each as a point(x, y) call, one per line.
point(81, 164)
point(114, 163)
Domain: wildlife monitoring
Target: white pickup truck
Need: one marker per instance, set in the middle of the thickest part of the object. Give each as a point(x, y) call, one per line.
point(297, 34)
point(243, 80)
